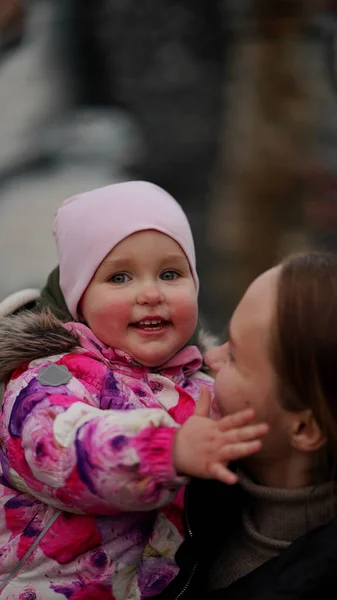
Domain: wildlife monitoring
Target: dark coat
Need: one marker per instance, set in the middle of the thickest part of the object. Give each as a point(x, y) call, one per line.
point(307, 570)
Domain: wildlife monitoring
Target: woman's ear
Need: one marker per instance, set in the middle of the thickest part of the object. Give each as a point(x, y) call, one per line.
point(306, 433)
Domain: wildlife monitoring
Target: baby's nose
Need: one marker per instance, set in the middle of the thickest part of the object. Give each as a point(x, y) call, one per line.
point(150, 294)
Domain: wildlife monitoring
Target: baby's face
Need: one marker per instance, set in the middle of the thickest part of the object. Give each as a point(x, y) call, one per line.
point(142, 298)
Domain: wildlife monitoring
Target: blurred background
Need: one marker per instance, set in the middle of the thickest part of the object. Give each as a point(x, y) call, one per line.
point(230, 105)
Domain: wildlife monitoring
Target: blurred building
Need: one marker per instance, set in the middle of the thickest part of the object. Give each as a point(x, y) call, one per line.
point(230, 105)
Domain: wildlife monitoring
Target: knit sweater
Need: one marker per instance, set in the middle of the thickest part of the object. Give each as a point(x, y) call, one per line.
point(272, 520)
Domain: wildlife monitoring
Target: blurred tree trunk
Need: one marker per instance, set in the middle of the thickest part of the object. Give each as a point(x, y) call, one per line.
point(261, 179)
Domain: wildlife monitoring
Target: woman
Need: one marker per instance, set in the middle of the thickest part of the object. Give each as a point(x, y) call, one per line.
point(275, 534)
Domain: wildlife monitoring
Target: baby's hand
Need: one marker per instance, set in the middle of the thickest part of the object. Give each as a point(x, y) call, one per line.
point(203, 448)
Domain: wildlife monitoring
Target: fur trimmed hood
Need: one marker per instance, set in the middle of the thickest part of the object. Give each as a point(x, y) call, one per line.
point(32, 335)
point(28, 336)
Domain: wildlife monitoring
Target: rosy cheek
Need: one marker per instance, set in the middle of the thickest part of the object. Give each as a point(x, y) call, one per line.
point(111, 308)
point(186, 313)
point(185, 307)
point(221, 392)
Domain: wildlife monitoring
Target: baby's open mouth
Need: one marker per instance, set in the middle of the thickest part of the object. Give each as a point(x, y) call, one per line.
point(150, 324)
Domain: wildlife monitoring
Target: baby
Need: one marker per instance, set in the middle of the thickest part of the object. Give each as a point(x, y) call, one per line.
point(98, 427)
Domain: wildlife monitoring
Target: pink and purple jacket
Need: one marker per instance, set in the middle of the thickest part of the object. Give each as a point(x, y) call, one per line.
point(86, 439)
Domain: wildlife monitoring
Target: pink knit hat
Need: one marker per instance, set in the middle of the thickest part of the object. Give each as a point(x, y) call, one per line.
point(88, 226)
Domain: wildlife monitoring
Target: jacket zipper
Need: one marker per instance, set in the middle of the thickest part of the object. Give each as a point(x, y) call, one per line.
point(194, 568)
point(187, 584)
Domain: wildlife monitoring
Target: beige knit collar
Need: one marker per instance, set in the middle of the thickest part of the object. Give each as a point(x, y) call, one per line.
point(276, 517)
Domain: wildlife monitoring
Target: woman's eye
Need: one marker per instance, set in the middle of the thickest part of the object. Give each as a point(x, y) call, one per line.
point(120, 278)
point(169, 275)
point(230, 356)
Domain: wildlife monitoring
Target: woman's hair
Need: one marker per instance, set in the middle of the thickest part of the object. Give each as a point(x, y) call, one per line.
point(304, 339)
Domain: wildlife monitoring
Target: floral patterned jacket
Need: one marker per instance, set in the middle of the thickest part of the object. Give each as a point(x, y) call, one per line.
point(90, 504)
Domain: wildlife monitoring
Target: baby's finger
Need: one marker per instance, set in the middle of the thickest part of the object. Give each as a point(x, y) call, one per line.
point(221, 473)
point(236, 451)
point(246, 433)
point(235, 420)
point(203, 406)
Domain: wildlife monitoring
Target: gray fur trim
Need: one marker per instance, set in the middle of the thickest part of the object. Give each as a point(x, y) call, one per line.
point(18, 300)
point(29, 336)
point(207, 340)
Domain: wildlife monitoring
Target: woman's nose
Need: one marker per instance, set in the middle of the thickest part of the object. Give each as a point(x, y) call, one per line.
point(212, 359)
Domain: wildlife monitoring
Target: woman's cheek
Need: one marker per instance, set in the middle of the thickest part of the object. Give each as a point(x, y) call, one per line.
point(219, 404)
point(228, 391)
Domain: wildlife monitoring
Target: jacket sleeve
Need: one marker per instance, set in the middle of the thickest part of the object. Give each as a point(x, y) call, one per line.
point(61, 447)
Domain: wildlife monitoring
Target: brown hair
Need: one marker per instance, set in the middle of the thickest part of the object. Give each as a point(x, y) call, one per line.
point(304, 339)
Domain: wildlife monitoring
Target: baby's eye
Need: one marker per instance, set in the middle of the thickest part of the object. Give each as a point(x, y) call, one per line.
point(169, 275)
point(120, 278)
